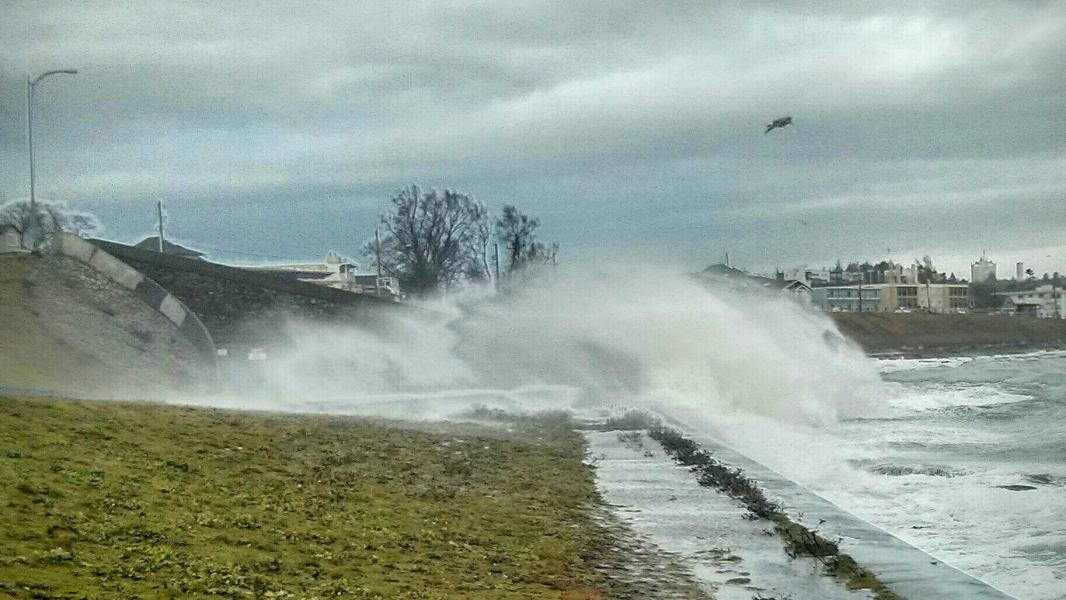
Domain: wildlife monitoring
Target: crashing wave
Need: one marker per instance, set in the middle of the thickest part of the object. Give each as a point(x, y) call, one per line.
point(929, 470)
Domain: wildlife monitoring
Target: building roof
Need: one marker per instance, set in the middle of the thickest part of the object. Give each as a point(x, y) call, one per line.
point(723, 270)
point(152, 243)
point(728, 272)
point(291, 273)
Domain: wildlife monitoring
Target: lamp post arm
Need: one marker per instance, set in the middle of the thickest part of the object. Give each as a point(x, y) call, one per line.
point(53, 72)
point(30, 82)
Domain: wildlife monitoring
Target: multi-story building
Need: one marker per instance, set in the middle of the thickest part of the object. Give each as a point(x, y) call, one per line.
point(893, 297)
point(982, 270)
point(847, 298)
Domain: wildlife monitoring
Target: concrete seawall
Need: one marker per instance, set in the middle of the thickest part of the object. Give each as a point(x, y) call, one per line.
point(903, 568)
point(238, 305)
point(143, 288)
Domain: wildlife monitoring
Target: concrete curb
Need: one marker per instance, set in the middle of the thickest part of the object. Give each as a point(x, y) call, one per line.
point(143, 288)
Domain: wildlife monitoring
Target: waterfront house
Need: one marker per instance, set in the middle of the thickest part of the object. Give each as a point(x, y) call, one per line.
point(792, 288)
point(338, 273)
point(1045, 302)
point(10, 240)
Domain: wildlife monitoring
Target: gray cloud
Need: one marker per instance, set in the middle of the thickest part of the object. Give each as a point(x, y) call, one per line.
point(630, 130)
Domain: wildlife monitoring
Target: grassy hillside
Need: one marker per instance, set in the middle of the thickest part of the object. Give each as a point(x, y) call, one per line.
point(120, 500)
point(879, 332)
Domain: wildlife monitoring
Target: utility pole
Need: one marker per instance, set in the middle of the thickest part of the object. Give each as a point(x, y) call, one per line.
point(29, 139)
point(159, 210)
point(496, 245)
point(377, 246)
point(861, 277)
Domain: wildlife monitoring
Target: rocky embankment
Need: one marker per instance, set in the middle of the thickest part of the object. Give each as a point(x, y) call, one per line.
point(67, 328)
point(920, 333)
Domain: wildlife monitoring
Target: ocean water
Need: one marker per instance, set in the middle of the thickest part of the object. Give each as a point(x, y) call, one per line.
point(965, 459)
point(960, 431)
point(921, 448)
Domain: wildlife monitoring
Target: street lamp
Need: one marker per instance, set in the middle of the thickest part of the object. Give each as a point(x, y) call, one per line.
point(30, 82)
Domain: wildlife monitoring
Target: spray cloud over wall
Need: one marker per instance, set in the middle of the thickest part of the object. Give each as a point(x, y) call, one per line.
point(633, 337)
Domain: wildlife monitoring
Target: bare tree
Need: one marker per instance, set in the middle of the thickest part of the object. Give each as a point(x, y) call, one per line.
point(517, 232)
point(478, 266)
point(430, 238)
point(39, 223)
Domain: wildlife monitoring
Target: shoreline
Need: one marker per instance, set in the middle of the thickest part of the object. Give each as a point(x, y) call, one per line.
point(927, 335)
point(965, 351)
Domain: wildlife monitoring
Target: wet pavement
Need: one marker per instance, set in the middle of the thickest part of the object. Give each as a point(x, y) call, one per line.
point(732, 557)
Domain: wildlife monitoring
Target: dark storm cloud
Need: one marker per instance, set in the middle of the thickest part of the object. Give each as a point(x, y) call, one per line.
point(625, 126)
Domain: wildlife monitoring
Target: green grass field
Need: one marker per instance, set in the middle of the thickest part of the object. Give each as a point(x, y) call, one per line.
point(121, 500)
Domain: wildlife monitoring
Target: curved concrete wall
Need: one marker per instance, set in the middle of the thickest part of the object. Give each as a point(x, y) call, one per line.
point(240, 306)
point(143, 288)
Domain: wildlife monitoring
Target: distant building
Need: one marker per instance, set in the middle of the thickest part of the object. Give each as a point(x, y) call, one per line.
point(152, 243)
point(1019, 272)
point(339, 273)
point(894, 297)
point(790, 287)
point(10, 241)
point(848, 298)
point(378, 286)
point(1045, 302)
point(810, 277)
point(982, 270)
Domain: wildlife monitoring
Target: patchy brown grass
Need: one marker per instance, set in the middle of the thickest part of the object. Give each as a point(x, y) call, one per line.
point(881, 332)
point(110, 499)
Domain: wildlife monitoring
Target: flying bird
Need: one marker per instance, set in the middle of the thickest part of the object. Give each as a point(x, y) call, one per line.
point(783, 121)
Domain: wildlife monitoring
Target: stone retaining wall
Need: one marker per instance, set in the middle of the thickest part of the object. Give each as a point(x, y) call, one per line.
point(240, 306)
point(148, 291)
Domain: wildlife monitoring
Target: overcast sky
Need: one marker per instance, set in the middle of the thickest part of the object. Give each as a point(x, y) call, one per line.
point(631, 129)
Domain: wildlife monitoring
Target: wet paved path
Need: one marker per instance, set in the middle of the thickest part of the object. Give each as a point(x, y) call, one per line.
point(903, 568)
